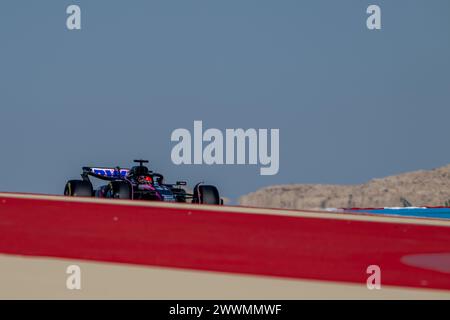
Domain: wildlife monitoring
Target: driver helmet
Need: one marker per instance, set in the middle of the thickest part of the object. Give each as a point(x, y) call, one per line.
point(144, 179)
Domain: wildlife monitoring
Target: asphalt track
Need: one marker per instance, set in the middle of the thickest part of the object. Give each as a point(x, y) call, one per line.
point(159, 250)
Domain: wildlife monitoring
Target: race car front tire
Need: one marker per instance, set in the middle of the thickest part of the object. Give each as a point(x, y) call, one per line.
point(206, 194)
point(78, 188)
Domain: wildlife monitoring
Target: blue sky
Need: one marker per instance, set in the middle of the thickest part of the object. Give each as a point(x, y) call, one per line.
point(351, 104)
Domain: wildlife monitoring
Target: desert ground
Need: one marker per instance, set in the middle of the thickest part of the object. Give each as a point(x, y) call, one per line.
point(418, 188)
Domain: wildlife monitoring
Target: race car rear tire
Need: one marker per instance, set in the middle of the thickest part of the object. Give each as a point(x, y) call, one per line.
point(78, 188)
point(121, 190)
point(206, 194)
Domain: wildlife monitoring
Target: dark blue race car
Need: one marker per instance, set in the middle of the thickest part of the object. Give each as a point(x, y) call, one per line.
point(139, 183)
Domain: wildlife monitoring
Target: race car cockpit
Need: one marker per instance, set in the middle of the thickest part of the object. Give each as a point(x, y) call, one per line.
point(143, 175)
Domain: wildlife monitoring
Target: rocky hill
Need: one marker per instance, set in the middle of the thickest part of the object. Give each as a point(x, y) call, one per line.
point(418, 188)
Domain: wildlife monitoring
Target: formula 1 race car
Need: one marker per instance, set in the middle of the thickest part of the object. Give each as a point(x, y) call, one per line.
point(139, 183)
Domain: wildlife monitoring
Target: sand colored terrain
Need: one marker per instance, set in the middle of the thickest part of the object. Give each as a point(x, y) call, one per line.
point(44, 278)
point(418, 188)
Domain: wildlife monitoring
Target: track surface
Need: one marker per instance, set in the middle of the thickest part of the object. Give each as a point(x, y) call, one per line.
point(45, 278)
point(314, 246)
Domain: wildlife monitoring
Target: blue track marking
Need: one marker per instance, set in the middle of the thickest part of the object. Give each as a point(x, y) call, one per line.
point(440, 213)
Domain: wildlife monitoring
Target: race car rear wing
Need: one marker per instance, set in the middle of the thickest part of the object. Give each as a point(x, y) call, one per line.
point(105, 173)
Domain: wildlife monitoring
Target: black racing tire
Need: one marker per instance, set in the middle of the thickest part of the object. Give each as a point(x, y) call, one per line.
point(78, 188)
point(207, 194)
point(121, 190)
